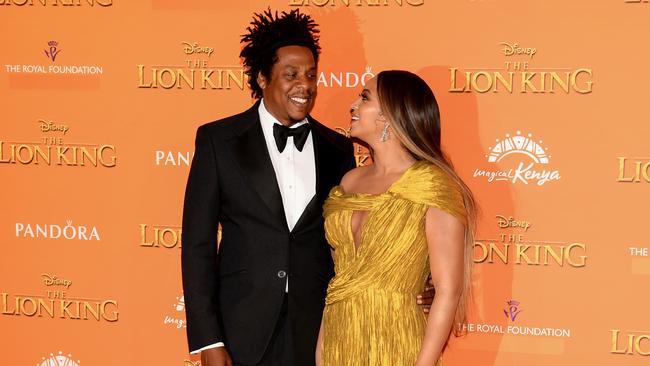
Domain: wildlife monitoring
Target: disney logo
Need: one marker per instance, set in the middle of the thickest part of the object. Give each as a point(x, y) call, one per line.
point(47, 126)
point(50, 280)
point(504, 222)
point(192, 48)
point(515, 49)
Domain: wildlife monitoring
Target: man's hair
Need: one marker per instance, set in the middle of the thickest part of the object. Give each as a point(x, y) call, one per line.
point(268, 32)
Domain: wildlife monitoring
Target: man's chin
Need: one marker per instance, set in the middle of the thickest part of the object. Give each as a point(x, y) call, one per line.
point(298, 117)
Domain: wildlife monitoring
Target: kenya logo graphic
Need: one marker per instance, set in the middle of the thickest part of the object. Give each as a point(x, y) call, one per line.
point(178, 319)
point(529, 156)
point(58, 360)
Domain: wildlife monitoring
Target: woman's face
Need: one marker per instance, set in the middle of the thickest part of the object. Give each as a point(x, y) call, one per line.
point(366, 121)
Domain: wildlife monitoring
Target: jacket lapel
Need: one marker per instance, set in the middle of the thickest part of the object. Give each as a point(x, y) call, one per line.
point(250, 151)
point(327, 159)
point(328, 162)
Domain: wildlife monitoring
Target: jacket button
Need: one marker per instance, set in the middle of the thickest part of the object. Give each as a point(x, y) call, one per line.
point(282, 274)
point(292, 236)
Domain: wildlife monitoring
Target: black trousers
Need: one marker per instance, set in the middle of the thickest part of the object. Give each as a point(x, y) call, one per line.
point(280, 351)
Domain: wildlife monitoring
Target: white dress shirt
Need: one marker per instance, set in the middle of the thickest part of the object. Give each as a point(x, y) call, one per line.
point(295, 172)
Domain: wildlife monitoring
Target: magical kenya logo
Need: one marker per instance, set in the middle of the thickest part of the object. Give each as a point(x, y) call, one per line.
point(518, 159)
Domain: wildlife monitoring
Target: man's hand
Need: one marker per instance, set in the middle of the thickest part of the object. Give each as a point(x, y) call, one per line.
point(215, 357)
point(426, 297)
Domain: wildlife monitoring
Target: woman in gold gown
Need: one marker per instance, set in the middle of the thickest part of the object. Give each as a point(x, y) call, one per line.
point(390, 225)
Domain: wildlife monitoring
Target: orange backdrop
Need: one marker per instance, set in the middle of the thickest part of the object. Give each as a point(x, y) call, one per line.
point(545, 115)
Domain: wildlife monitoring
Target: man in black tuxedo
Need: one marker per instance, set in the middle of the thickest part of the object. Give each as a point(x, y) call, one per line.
point(263, 175)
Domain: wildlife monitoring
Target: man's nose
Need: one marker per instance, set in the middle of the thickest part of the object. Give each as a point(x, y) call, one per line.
point(305, 81)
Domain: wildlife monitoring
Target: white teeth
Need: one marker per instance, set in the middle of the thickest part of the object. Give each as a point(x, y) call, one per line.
point(299, 100)
point(354, 118)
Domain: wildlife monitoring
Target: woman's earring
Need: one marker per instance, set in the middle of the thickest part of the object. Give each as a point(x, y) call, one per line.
point(384, 134)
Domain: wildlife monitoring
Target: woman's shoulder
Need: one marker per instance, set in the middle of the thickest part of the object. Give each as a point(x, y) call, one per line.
point(430, 185)
point(424, 175)
point(352, 178)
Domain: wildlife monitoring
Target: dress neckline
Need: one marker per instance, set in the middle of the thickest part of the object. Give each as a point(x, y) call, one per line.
point(388, 190)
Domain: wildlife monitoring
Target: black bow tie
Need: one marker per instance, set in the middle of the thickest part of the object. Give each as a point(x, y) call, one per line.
point(282, 132)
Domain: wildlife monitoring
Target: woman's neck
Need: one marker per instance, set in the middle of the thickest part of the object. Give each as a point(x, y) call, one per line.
point(391, 157)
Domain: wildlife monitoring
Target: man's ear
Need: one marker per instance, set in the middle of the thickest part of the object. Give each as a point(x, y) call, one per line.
point(261, 80)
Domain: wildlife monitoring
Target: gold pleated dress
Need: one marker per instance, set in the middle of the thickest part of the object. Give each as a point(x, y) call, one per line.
point(371, 316)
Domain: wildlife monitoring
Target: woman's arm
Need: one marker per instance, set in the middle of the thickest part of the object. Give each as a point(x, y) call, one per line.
point(319, 346)
point(445, 240)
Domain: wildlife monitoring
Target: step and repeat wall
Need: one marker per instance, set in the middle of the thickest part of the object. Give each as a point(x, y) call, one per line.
point(545, 114)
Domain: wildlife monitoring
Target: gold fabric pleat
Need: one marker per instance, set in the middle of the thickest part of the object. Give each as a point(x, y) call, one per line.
point(371, 316)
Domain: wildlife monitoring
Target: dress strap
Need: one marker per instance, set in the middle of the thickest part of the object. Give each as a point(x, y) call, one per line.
point(429, 185)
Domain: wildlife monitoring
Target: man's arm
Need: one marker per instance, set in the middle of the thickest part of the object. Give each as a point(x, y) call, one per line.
point(199, 250)
point(350, 160)
point(210, 346)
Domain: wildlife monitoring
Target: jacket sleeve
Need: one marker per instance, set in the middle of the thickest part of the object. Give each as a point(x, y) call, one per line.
point(199, 255)
point(350, 161)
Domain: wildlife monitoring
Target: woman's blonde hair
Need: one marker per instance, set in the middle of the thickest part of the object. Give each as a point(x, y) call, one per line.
point(412, 110)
